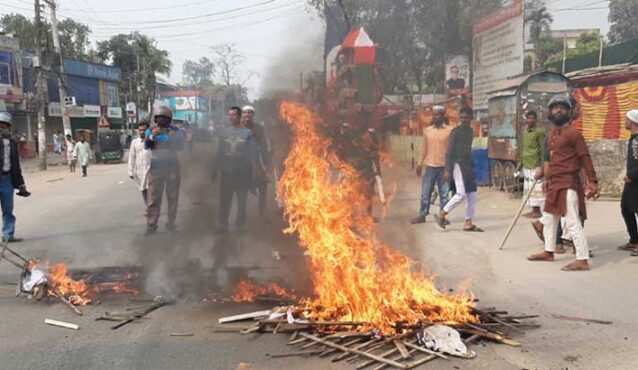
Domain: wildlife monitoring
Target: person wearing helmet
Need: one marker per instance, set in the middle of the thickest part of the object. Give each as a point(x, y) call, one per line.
point(564, 185)
point(10, 179)
point(164, 140)
point(261, 169)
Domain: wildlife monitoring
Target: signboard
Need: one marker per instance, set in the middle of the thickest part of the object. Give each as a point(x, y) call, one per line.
point(498, 48)
point(131, 109)
point(90, 70)
point(55, 110)
point(92, 111)
point(186, 103)
point(69, 101)
point(457, 75)
point(114, 112)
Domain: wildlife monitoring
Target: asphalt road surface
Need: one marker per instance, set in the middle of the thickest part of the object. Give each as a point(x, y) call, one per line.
point(97, 221)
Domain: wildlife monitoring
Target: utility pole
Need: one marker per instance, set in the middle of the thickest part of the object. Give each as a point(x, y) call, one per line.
point(66, 119)
point(40, 36)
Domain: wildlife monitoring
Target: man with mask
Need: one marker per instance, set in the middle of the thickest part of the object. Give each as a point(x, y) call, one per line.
point(460, 166)
point(564, 186)
point(139, 160)
point(234, 161)
point(10, 179)
point(435, 142)
point(164, 141)
point(82, 154)
point(261, 169)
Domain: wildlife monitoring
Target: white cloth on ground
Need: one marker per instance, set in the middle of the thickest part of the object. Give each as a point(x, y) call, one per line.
point(537, 199)
point(572, 225)
point(460, 195)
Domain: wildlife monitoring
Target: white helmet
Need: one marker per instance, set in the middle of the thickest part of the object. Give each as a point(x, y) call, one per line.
point(6, 117)
point(248, 108)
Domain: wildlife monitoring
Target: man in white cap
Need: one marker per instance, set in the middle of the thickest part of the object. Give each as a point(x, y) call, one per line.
point(261, 167)
point(436, 138)
point(629, 200)
point(10, 179)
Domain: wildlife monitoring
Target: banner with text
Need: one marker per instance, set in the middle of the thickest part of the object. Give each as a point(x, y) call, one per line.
point(498, 49)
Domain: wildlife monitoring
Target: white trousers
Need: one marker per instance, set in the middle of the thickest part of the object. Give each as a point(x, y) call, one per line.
point(537, 198)
point(461, 195)
point(572, 226)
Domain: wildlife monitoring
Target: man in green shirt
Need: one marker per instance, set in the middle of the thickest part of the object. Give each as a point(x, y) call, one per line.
point(533, 149)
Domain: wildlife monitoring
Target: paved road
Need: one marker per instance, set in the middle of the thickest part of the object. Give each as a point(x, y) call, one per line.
point(97, 221)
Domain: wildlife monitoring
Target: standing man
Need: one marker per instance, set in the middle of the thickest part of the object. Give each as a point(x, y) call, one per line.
point(139, 160)
point(531, 160)
point(234, 160)
point(460, 165)
point(57, 142)
point(565, 188)
point(164, 141)
point(629, 200)
point(10, 179)
point(82, 154)
point(70, 149)
point(435, 143)
point(261, 169)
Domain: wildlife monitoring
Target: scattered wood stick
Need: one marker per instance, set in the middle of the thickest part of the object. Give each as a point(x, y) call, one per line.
point(493, 336)
point(425, 350)
point(504, 323)
point(582, 319)
point(402, 349)
point(181, 334)
point(66, 301)
point(62, 324)
point(245, 316)
point(352, 350)
point(293, 354)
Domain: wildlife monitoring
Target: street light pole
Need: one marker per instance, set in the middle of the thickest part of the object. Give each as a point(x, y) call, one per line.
point(40, 93)
point(66, 119)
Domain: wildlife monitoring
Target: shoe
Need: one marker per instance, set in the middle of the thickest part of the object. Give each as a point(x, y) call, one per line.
point(418, 220)
point(171, 227)
point(150, 231)
point(13, 239)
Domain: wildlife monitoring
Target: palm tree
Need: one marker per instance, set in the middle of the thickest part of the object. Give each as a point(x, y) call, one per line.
point(539, 20)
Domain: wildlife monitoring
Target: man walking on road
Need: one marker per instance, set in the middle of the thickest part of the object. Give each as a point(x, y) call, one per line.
point(10, 179)
point(629, 200)
point(435, 142)
point(261, 169)
point(566, 190)
point(234, 160)
point(82, 154)
point(139, 160)
point(533, 149)
point(70, 149)
point(164, 141)
point(460, 165)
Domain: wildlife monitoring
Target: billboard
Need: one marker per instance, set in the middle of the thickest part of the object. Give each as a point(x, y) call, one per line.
point(498, 47)
point(457, 75)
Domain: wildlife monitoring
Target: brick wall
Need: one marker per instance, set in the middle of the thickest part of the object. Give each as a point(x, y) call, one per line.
point(610, 161)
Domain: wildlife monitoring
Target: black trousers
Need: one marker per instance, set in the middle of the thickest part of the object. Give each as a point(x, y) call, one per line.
point(630, 221)
point(83, 170)
point(232, 184)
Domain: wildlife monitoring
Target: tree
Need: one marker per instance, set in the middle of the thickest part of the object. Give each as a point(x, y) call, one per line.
point(588, 42)
point(21, 27)
point(198, 73)
point(622, 16)
point(139, 59)
point(538, 19)
point(74, 39)
point(228, 63)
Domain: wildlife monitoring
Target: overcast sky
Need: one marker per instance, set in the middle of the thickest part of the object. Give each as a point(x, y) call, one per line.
point(279, 38)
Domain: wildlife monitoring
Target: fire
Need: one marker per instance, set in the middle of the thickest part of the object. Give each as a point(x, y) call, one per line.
point(247, 291)
point(59, 281)
point(356, 277)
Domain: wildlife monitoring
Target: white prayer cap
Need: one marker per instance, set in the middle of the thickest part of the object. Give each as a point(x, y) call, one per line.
point(633, 115)
point(248, 108)
point(438, 109)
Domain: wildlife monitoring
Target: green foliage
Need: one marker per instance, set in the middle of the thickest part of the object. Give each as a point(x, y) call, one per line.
point(547, 46)
point(198, 73)
point(623, 16)
point(586, 43)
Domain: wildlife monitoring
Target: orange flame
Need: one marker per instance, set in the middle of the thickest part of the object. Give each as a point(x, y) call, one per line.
point(356, 277)
point(247, 291)
point(77, 292)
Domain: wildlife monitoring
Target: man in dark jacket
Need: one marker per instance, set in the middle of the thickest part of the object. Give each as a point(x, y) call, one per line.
point(10, 179)
point(629, 201)
point(460, 166)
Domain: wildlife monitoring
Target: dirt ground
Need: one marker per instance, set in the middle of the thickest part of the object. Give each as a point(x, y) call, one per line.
point(97, 221)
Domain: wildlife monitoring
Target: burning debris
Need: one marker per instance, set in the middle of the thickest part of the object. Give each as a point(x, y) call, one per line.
point(248, 291)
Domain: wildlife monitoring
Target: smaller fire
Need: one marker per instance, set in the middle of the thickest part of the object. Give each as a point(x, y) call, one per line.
point(248, 291)
point(59, 281)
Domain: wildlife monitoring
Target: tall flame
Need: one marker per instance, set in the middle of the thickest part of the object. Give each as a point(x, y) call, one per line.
point(356, 277)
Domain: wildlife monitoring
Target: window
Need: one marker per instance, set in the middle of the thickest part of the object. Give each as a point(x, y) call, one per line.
point(6, 60)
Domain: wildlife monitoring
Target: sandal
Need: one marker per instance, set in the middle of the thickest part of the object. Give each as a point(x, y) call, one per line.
point(474, 229)
point(440, 221)
point(634, 254)
point(627, 247)
point(574, 267)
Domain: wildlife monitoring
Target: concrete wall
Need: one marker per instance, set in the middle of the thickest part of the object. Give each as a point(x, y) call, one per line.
point(609, 157)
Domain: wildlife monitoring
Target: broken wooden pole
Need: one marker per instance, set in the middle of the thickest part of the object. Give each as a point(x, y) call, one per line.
point(62, 324)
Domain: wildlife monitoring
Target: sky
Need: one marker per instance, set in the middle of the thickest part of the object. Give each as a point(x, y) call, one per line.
point(279, 38)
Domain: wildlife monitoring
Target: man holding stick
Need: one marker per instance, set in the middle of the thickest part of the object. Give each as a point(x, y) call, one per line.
point(565, 189)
